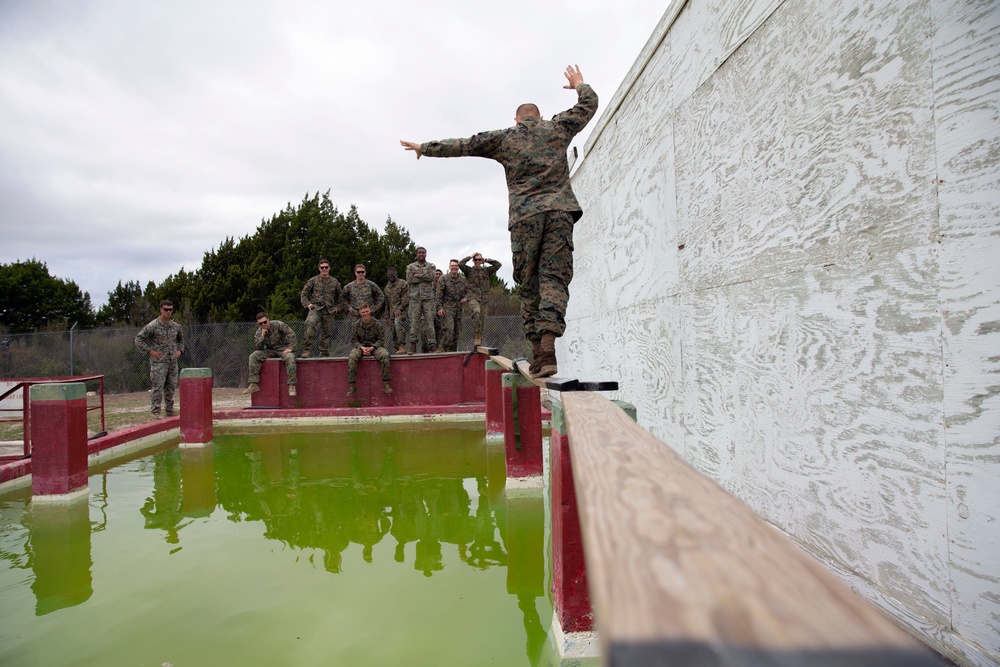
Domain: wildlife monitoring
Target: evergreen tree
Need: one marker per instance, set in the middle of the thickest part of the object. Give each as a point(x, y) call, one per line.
point(31, 298)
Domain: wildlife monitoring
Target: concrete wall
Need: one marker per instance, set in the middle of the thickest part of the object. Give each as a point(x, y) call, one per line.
point(789, 258)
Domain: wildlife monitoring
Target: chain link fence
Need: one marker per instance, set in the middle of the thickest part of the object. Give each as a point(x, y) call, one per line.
point(222, 347)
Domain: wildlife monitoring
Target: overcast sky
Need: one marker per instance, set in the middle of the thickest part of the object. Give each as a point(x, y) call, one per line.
point(137, 135)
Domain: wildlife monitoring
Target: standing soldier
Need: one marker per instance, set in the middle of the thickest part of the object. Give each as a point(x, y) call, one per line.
point(273, 338)
point(542, 208)
point(163, 340)
point(438, 319)
point(368, 336)
point(362, 291)
point(420, 278)
point(479, 289)
point(450, 293)
point(321, 296)
point(397, 299)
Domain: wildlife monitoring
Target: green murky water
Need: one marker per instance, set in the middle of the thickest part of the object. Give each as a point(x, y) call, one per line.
point(388, 546)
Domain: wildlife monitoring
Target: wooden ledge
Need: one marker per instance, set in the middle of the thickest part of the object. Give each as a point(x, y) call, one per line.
point(554, 383)
point(683, 573)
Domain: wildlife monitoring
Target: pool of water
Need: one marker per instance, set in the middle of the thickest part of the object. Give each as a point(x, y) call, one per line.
point(383, 546)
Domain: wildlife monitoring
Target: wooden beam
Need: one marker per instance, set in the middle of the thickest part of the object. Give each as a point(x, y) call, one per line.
point(682, 573)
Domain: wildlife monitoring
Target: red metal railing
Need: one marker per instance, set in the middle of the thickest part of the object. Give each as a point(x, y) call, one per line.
point(25, 418)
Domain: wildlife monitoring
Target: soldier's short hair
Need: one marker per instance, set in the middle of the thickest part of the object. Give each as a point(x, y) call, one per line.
point(391, 269)
point(322, 261)
point(260, 315)
point(364, 306)
point(527, 109)
point(420, 247)
point(360, 266)
point(452, 260)
point(166, 302)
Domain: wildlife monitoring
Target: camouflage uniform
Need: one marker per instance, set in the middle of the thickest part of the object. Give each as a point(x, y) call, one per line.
point(542, 206)
point(369, 334)
point(397, 297)
point(356, 293)
point(270, 345)
point(421, 282)
point(449, 294)
point(324, 294)
point(479, 290)
point(165, 337)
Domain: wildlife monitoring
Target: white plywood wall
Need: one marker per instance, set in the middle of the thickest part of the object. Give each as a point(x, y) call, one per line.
point(789, 259)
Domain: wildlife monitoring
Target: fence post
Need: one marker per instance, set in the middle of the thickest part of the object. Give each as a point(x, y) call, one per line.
point(59, 442)
point(196, 407)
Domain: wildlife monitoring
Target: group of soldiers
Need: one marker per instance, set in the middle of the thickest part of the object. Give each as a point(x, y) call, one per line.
point(423, 310)
point(414, 307)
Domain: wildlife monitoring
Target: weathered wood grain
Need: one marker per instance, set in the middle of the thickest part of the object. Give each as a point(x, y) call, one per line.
point(673, 560)
point(966, 46)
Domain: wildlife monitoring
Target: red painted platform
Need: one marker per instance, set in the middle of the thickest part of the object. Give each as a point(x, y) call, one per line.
point(417, 380)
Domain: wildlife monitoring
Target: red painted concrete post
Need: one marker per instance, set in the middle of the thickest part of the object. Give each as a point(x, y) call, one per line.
point(494, 399)
point(522, 426)
point(59, 441)
point(570, 595)
point(196, 407)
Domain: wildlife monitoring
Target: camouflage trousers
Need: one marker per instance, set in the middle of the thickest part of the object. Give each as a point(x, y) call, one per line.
point(163, 377)
point(400, 328)
point(475, 312)
point(451, 327)
point(379, 353)
point(320, 321)
point(257, 358)
point(422, 315)
point(542, 246)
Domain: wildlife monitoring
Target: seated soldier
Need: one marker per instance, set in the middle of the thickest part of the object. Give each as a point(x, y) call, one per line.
point(273, 338)
point(368, 337)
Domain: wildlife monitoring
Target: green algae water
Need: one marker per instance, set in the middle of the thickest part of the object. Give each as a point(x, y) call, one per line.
point(380, 546)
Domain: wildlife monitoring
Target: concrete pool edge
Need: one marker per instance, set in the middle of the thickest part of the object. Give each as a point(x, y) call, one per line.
point(118, 444)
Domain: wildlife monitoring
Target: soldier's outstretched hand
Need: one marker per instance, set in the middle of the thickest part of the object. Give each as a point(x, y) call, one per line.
point(412, 146)
point(574, 77)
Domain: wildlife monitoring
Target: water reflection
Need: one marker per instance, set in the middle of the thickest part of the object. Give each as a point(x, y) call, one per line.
point(326, 491)
point(59, 555)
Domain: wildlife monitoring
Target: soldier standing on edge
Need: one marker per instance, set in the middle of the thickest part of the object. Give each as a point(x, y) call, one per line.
point(542, 208)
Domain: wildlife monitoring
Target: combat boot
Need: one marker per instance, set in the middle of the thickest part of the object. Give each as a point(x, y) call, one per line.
point(546, 359)
point(386, 388)
point(352, 390)
point(305, 354)
point(477, 341)
point(401, 349)
point(252, 388)
point(412, 349)
point(536, 351)
point(291, 390)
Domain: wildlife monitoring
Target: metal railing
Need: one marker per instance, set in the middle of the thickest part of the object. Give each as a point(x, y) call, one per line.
point(25, 417)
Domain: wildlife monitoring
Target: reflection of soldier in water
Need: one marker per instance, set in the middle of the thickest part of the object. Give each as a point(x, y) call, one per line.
point(163, 510)
point(486, 550)
point(371, 523)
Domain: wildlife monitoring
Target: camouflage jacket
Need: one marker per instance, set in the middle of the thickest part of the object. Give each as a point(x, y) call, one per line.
point(421, 280)
point(356, 293)
point(279, 338)
point(166, 337)
point(533, 155)
point(451, 290)
point(397, 295)
point(322, 293)
point(479, 277)
point(368, 335)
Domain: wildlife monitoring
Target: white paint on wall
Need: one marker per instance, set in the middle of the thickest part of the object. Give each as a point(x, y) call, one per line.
point(789, 260)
